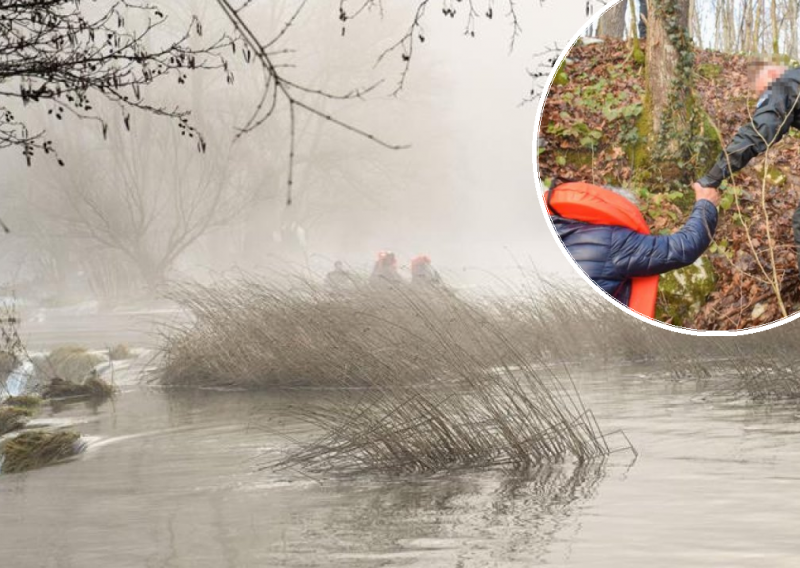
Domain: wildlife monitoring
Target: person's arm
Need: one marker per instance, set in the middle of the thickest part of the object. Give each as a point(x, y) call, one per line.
point(647, 255)
point(770, 122)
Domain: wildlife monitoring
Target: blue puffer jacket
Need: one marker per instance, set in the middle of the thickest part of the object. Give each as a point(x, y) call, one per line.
point(611, 256)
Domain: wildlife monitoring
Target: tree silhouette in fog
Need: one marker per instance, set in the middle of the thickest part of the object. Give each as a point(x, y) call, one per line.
point(280, 93)
point(63, 53)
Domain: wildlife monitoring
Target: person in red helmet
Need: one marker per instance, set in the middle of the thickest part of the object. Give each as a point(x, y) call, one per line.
point(423, 274)
point(385, 270)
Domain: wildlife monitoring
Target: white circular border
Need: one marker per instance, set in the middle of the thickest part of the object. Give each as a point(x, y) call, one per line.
point(609, 298)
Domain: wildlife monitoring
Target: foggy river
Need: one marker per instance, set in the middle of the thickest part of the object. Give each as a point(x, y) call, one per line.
point(173, 478)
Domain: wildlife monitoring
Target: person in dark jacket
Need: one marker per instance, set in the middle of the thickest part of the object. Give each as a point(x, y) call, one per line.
point(340, 279)
point(612, 255)
point(777, 110)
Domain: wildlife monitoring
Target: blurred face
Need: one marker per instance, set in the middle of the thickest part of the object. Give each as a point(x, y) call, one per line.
point(765, 78)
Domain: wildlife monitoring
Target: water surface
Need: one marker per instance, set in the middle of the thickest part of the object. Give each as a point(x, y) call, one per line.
point(172, 478)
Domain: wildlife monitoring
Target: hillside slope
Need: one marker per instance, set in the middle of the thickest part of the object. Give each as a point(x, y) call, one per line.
point(591, 130)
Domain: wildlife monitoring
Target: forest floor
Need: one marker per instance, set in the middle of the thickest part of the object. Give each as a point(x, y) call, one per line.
point(590, 130)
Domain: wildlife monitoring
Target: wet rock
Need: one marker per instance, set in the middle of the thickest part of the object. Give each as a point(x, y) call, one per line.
point(682, 293)
point(70, 363)
point(120, 352)
point(758, 310)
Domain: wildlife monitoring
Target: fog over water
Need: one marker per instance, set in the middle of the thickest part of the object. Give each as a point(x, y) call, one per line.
point(461, 192)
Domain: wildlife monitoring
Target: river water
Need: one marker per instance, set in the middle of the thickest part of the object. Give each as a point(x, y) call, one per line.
point(172, 478)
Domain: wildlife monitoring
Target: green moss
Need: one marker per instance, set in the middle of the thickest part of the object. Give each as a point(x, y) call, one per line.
point(775, 177)
point(561, 77)
point(638, 54)
point(575, 158)
point(709, 70)
point(649, 171)
point(683, 292)
point(639, 151)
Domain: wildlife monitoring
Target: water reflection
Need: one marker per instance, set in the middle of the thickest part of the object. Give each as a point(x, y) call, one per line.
point(470, 519)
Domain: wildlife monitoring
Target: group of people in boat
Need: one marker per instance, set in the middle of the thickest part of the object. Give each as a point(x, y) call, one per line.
point(385, 273)
point(606, 234)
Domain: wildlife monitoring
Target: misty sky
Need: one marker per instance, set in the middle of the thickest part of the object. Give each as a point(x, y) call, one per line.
point(463, 192)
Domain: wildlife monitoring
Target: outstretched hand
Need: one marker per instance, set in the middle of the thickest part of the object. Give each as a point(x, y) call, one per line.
point(710, 193)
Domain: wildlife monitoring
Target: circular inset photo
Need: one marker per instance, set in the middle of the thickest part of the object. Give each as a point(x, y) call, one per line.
point(666, 155)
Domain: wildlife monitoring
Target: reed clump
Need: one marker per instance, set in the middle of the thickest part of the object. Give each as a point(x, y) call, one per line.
point(762, 367)
point(93, 387)
point(38, 448)
point(438, 383)
point(28, 401)
point(248, 333)
point(12, 418)
point(252, 334)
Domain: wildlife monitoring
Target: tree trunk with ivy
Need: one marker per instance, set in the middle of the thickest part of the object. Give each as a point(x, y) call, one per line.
point(673, 123)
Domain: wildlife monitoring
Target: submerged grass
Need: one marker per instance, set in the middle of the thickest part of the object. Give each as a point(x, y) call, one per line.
point(508, 417)
point(38, 448)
